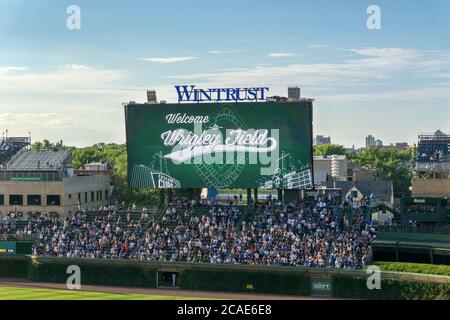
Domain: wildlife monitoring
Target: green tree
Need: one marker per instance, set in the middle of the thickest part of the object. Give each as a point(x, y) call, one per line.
point(328, 149)
point(38, 145)
point(46, 144)
point(391, 164)
point(115, 155)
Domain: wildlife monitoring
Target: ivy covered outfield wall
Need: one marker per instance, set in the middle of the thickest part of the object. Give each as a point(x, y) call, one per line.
point(14, 266)
point(391, 289)
point(251, 281)
point(232, 278)
point(94, 272)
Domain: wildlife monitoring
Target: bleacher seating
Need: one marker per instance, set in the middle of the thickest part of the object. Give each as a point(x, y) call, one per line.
point(18, 227)
point(273, 234)
point(41, 160)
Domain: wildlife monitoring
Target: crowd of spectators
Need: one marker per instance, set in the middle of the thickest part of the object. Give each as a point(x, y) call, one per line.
point(8, 148)
point(190, 237)
point(7, 225)
point(307, 234)
point(6, 145)
point(109, 235)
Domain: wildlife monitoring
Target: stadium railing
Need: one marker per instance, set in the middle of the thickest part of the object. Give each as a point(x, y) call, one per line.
point(416, 229)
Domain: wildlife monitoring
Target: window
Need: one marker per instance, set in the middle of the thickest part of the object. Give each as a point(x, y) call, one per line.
point(354, 194)
point(34, 200)
point(106, 195)
point(92, 196)
point(16, 200)
point(85, 197)
point(2, 200)
point(53, 200)
point(79, 197)
point(70, 196)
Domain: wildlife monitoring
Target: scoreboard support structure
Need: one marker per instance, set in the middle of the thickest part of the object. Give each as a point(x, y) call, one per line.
point(280, 194)
point(249, 195)
point(283, 195)
point(161, 198)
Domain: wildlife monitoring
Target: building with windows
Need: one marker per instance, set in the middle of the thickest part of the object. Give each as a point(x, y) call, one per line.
point(322, 168)
point(401, 145)
point(319, 140)
point(43, 181)
point(378, 143)
point(370, 141)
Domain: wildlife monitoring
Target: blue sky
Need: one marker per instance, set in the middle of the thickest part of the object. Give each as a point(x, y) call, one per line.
point(69, 84)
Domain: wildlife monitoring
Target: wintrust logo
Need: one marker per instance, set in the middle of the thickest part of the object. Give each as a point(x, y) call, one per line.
point(188, 93)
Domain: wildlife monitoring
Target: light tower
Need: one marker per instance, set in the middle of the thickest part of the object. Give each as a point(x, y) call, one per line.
point(334, 169)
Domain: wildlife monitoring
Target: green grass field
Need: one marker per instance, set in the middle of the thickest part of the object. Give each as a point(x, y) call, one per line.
point(13, 293)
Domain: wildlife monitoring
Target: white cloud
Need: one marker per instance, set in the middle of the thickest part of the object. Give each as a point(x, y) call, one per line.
point(376, 64)
point(33, 120)
point(78, 67)
point(83, 98)
point(282, 54)
point(366, 70)
point(225, 51)
point(387, 52)
point(6, 69)
point(428, 62)
point(87, 99)
point(167, 59)
point(64, 78)
point(441, 92)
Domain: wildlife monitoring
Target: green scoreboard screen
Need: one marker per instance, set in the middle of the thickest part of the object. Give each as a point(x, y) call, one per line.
point(220, 145)
point(7, 247)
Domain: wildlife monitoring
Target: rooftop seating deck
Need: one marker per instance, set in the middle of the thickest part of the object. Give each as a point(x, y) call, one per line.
point(41, 160)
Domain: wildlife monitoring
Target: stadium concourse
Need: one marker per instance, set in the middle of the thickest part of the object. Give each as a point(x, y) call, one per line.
point(301, 234)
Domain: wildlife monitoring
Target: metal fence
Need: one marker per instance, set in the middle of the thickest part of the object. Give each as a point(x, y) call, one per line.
point(440, 229)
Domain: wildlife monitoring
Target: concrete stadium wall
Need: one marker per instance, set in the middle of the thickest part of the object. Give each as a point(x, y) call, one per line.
point(234, 278)
point(68, 189)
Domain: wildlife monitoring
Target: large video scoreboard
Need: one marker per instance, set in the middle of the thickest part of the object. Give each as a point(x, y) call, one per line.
point(220, 145)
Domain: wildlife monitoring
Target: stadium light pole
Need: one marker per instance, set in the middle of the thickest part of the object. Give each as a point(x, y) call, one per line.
point(335, 176)
point(334, 169)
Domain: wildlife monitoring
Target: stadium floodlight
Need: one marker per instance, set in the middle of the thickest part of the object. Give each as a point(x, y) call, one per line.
point(334, 169)
point(334, 166)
